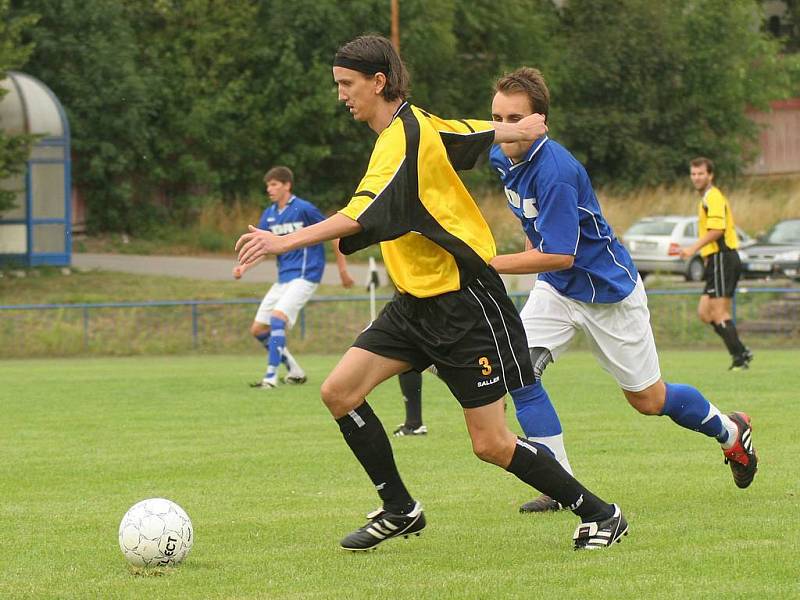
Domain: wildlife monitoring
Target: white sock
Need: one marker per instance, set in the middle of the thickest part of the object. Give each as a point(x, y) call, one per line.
point(556, 445)
point(733, 432)
point(293, 365)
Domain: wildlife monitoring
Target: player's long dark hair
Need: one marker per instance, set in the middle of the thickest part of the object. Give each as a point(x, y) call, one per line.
point(379, 50)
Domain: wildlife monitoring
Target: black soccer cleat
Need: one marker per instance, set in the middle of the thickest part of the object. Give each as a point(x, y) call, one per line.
point(748, 356)
point(595, 535)
point(543, 503)
point(403, 430)
point(742, 455)
point(382, 526)
point(741, 361)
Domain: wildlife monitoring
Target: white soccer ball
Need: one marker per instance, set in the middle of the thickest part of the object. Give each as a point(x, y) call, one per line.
point(154, 533)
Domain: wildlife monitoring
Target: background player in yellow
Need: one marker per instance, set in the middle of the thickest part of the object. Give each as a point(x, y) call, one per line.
point(717, 243)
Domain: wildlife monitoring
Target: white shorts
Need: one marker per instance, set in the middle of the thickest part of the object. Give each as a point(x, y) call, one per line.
point(619, 334)
point(289, 298)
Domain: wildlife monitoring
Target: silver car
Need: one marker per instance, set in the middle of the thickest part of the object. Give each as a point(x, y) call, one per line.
point(655, 245)
point(776, 254)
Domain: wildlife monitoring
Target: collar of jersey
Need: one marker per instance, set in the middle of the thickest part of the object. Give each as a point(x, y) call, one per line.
point(535, 147)
point(399, 108)
point(288, 202)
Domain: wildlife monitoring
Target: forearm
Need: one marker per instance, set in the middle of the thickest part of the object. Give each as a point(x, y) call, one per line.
point(507, 132)
point(332, 228)
point(527, 129)
point(531, 261)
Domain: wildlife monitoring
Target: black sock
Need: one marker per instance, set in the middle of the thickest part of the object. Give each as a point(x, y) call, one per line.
point(367, 439)
point(534, 465)
point(411, 387)
point(727, 331)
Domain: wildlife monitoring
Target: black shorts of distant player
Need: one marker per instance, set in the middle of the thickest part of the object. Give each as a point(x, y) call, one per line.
point(722, 274)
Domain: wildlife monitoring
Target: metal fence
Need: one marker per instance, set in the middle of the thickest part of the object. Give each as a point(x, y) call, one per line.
point(766, 316)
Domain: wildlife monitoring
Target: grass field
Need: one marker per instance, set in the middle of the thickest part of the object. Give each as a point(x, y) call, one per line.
point(271, 487)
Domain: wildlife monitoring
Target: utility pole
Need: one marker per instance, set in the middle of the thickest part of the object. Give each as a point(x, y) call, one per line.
point(396, 25)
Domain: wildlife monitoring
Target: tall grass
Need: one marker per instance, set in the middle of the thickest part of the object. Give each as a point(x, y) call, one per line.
point(756, 203)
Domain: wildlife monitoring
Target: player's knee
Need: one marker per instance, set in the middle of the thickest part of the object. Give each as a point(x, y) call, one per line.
point(257, 329)
point(540, 358)
point(491, 449)
point(337, 397)
point(647, 401)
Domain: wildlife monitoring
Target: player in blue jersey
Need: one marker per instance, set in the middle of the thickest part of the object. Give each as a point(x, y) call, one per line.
point(299, 274)
point(587, 281)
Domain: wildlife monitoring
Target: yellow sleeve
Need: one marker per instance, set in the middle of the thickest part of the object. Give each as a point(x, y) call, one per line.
point(715, 217)
point(464, 139)
point(379, 204)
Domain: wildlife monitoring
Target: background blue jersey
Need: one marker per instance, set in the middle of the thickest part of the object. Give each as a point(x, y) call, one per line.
point(551, 194)
point(308, 263)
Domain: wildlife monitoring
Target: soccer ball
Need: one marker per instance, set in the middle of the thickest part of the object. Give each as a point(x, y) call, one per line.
point(155, 532)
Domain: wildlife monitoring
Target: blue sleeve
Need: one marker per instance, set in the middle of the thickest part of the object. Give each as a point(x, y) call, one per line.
point(262, 222)
point(312, 214)
point(557, 222)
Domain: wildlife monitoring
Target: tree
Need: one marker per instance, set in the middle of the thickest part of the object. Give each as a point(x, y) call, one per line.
point(87, 53)
point(645, 86)
point(14, 148)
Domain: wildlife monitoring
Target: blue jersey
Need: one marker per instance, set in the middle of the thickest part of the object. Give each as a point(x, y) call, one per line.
point(307, 263)
point(550, 192)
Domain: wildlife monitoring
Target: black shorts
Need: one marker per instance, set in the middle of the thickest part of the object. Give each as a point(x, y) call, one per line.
point(473, 336)
point(722, 274)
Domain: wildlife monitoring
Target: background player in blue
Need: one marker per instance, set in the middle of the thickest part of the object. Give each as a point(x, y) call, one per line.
point(587, 281)
point(299, 274)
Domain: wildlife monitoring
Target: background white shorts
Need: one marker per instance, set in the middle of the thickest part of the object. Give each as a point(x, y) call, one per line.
point(619, 334)
point(289, 298)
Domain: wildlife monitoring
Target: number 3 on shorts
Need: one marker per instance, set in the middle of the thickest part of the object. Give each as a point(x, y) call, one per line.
point(487, 367)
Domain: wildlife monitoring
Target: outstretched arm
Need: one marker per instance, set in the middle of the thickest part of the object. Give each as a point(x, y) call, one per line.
point(257, 242)
point(527, 129)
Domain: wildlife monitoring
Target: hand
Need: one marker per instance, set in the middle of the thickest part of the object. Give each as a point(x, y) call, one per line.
point(686, 253)
point(347, 281)
point(532, 126)
point(257, 243)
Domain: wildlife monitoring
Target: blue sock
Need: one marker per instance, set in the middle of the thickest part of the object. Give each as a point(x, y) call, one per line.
point(535, 412)
point(539, 421)
point(263, 339)
point(686, 406)
point(277, 341)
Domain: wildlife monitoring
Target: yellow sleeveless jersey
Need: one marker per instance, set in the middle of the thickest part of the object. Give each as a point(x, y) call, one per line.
point(715, 213)
point(432, 235)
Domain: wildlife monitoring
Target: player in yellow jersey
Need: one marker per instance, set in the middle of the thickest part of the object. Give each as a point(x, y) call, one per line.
point(451, 309)
point(717, 244)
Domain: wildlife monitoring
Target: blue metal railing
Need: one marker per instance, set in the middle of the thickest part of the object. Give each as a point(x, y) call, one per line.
point(195, 305)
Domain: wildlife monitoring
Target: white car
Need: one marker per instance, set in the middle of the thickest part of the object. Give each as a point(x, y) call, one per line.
point(655, 245)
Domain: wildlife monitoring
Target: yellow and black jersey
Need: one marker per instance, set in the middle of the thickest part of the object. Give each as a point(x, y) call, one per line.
point(715, 213)
point(433, 237)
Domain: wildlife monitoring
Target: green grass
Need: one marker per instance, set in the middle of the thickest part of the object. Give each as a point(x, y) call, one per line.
point(271, 487)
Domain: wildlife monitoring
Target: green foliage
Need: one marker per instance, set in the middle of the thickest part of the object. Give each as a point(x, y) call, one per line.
point(175, 100)
point(14, 147)
point(643, 86)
